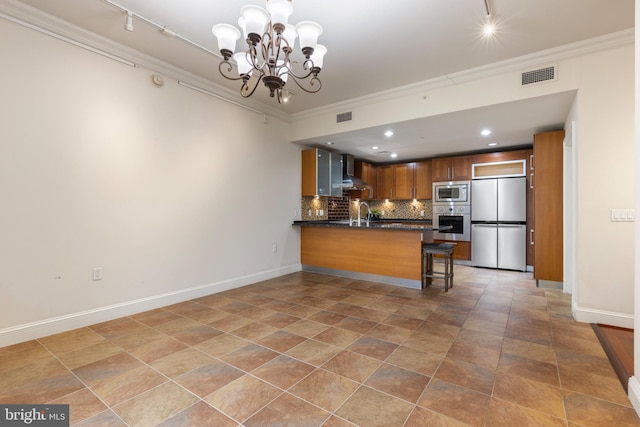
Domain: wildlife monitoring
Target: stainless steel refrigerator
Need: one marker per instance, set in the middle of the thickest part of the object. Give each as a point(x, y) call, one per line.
point(499, 223)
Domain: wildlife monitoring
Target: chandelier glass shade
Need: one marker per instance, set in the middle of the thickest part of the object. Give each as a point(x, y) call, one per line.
point(270, 43)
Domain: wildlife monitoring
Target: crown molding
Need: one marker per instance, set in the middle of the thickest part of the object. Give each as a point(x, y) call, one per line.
point(583, 47)
point(22, 14)
point(29, 17)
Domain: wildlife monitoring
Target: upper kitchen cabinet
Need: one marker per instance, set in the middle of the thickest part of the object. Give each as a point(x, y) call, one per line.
point(368, 174)
point(423, 187)
point(546, 181)
point(335, 173)
point(405, 181)
point(451, 168)
point(501, 156)
point(385, 182)
point(321, 173)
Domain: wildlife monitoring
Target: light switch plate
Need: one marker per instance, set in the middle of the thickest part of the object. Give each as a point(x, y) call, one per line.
point(623, 215)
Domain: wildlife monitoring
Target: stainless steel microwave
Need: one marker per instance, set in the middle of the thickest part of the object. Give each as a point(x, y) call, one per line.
point(452, 192)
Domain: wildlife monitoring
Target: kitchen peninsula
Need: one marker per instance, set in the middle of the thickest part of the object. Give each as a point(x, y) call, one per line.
point(387, 252)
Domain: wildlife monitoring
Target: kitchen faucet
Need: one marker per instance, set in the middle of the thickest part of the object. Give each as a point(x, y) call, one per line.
point(368, 212)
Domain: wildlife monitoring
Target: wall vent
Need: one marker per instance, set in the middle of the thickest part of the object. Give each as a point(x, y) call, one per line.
point(343, 117)
point(539, 75)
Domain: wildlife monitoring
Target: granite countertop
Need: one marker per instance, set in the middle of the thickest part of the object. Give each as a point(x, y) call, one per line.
point(393, 224)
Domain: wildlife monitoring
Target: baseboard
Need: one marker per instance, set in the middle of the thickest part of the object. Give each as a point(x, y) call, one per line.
point(634, 394)
point(620, 320)
point(54, 325)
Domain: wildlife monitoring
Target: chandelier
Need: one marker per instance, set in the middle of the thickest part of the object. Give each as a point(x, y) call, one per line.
point(270, 41)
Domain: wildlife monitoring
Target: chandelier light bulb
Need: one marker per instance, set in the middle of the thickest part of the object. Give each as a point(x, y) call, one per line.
point(318, 56)
point(255, 21)
point(244, 66)
point(243, 27)
point(290, 35)
point(286, 95)
point(308, 33)
point(280, 10)
point(227, 36)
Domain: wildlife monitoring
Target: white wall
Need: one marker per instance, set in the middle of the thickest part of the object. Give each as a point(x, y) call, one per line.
point(172, 192)
point(634, 385)
point(606, 173)
point(602, 155)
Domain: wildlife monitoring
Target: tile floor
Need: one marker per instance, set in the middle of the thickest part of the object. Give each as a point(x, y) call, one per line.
point(311, 350)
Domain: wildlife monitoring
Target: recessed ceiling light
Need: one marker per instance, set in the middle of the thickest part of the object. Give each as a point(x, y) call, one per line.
point(485, 132)
point(394, 155)
point(388, 133)
point(375, 147)
point(492, 144)
point(329, 143)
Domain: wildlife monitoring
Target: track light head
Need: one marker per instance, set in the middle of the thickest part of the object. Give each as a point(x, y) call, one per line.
point(129, 25)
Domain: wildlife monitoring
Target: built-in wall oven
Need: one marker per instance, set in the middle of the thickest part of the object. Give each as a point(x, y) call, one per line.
point(452, 207)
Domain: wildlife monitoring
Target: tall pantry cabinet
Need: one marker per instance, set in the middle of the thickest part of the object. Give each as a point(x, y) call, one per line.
point(546, 180)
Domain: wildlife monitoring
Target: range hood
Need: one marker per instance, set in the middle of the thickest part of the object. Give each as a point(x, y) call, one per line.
point(349, 181)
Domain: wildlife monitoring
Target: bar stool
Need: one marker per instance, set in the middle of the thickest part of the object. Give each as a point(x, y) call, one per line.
point(444, 249)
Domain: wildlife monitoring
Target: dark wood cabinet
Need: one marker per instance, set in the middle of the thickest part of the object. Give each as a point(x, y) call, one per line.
point(422, 180)
point(385, 182)
point(405, 181)
point(547, 178)
point(368, 173)
point(451, 168)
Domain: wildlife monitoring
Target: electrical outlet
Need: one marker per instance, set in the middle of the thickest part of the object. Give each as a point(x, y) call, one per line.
point(421, 213)
point(321, 212)
point(97, 273)
point(275, 248)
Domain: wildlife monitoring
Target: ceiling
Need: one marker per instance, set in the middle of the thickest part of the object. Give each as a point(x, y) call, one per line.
point(373, 47)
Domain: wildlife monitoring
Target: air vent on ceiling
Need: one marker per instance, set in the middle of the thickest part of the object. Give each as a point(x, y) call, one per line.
point(343, 117)
point(539, 75)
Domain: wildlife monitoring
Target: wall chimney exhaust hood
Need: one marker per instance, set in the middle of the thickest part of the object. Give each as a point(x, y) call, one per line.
point(349, 180)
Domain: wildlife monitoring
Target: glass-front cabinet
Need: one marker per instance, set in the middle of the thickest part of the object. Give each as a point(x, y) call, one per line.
point(321, 173)
point(335, 170)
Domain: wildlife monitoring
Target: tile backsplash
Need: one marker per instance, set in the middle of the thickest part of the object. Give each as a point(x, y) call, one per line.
point(313, 208)
point(398, 209)
point(335, 208)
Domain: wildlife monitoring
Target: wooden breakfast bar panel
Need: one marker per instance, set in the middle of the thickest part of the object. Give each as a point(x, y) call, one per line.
point(393, 253)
